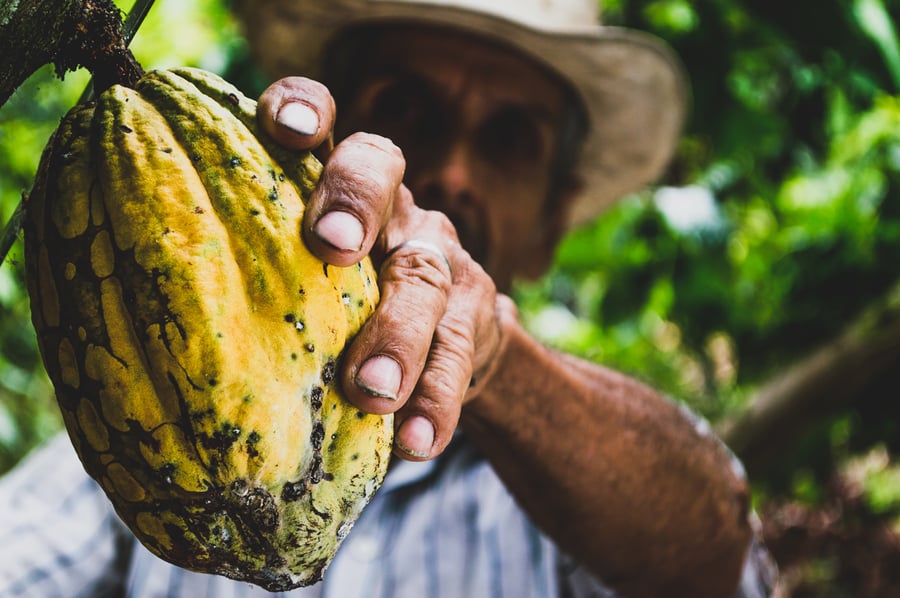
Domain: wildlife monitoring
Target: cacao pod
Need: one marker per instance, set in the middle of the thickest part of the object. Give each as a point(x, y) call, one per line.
point(191, 337)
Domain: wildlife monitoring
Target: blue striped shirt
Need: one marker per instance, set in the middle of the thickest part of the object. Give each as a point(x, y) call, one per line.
point(446, 528)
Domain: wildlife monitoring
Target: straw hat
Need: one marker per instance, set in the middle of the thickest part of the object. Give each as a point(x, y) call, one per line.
point(631, 84)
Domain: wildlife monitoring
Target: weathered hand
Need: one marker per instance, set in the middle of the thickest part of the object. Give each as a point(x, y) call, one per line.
point(436, 328)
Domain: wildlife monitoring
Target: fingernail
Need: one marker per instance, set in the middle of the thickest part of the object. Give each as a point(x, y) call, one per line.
point(415, 437)
point(341, 230)
point(380, 376)
point(299, 118)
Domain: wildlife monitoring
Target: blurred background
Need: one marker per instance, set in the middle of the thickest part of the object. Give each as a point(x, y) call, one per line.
point(759, 282)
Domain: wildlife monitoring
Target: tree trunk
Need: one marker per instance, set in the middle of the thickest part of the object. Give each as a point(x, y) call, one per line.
point(67, 33)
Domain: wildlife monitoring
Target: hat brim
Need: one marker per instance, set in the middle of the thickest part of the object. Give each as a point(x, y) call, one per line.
point(632, 85)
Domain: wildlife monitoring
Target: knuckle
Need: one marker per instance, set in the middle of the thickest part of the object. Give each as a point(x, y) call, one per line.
point(420, 268)
point(438, 401)
point(457, 364)
point(296, 87)
point(417, 268)
point(365, 168)
point(403, 328)
point(377, 142)
point(454, 341)
point(440, 223)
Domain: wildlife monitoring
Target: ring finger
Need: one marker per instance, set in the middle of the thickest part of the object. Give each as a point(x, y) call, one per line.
point(389, 354)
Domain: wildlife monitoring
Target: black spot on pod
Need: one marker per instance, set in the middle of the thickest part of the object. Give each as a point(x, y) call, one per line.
point(252, 440)
point(292, 319)
point(222, 439)
point(232, 97)
point(315, 470)
point(328, 372)
point(260, 506)
point(293, 491)
point(239, 488)
point(126, 129)
point(317, 435)
point(316, 396)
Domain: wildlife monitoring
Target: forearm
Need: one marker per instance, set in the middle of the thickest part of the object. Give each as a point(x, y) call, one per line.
point(612, 471)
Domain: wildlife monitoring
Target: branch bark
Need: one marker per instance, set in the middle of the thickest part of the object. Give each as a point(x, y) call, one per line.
point(67, 33)
point(828, 381)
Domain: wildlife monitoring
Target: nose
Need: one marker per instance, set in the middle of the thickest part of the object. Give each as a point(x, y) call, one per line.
point(447, 184)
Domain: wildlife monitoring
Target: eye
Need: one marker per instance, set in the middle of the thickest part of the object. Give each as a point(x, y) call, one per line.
point(404, 110)
point(511, 135)
point(398, 103)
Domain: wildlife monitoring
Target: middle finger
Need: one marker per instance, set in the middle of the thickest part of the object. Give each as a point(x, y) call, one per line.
point(353, 199)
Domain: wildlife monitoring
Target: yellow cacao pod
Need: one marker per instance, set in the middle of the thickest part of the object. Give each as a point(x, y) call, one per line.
point(191, 337)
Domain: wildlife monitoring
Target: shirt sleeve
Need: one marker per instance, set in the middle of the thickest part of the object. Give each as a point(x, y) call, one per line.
point(59, 535)
point(760, 574)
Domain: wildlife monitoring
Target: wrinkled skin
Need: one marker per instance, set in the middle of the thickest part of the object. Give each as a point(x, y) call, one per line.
point(603, 464)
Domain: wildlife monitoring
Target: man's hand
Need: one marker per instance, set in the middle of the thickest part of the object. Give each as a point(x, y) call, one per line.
point(436, 328)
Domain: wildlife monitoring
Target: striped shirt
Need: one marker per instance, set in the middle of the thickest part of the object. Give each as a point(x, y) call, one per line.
point(446, 528)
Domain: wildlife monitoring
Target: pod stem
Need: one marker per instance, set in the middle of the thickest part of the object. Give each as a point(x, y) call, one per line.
point(98, 43)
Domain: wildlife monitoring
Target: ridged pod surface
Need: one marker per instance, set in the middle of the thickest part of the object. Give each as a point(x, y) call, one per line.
point(191, 337)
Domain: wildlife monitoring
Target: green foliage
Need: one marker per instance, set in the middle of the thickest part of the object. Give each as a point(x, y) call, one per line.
point(778, 223)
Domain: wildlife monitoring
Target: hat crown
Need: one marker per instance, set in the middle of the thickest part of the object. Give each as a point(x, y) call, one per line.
point(548, 15)
point(632, 87)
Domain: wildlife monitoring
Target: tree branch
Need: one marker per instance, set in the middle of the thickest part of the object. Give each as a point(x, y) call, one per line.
point(831, 379)
point(67, 33)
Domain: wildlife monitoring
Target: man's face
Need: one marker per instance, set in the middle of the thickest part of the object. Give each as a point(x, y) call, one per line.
point(478, 125)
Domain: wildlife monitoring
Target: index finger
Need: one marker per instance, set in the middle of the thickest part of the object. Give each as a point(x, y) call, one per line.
point(298, 113)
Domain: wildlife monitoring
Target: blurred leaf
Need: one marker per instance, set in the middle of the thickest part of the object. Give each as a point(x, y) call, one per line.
point(676, 16)
point(873, 18)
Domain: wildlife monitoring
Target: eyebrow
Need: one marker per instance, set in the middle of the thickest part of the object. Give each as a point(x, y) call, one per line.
point(392, 69)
